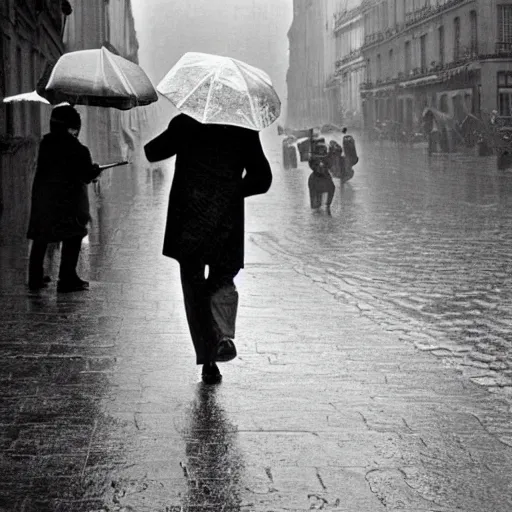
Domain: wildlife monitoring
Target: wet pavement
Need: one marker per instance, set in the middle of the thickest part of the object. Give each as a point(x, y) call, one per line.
point(373, 369)
point(423, 247)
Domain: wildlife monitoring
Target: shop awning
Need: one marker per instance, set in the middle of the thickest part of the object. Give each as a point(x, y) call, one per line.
point(384, 88)
point(424, 80)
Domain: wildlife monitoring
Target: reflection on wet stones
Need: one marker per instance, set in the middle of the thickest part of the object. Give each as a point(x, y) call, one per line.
point(213, 467)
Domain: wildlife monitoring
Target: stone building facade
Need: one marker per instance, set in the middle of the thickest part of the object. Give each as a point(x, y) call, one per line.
point(30, 38)
point(453, 55)
point(312, 98)
point(349, 64)
point(325, 64)
point(307, 104)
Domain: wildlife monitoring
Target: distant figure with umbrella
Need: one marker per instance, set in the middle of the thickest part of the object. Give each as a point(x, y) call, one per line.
point(224, 102)
point(60, 204)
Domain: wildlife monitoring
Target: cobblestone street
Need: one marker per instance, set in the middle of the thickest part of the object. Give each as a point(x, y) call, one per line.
point(374, 353)
point(422, 246)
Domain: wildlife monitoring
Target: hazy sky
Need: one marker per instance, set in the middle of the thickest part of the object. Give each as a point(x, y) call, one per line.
point(254, 31)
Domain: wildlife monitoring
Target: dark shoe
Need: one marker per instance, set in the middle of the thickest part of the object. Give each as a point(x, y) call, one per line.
point(37, 285)
point(211, 374)
point(82, 282)
point(72, 286)
point(226, 350)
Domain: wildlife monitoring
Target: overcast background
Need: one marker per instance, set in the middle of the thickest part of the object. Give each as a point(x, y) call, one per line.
point(254, 31)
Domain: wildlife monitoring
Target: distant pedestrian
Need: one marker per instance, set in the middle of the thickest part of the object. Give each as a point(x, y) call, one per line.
point(205, 224)
point(349, 147)
point(336, 159)
point(320, 181)
point(434, 138)
point(339, 165)
point(289, 152)
point(60, 203)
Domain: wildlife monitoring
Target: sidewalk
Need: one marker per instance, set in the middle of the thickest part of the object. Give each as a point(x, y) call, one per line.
point(102, 409)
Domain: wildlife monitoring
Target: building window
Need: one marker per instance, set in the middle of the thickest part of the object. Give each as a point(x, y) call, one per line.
point(391, 64)
point(456, 38)
point(504, 28)
point(444, 104)
point(505, 23)
point(368, 70)
point(505, 93)
point(441, 45)
point(474, 32)
point(408, 57)
point(367, 24)
point(379, 67)
point(423, 53)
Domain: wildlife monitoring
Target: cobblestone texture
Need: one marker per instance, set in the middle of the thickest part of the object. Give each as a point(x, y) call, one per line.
point(420, 245)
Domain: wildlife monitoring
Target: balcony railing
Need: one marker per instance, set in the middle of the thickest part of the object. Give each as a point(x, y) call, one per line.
point(416, 73)
point(344, 16)
point(376, 37)
point(354, 54)
point(423, 12)
point(411, 19)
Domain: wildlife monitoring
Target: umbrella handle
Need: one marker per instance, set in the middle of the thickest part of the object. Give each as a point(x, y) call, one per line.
point(116, 164)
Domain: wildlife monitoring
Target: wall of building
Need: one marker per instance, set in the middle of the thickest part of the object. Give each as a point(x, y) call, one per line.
point(349, 64)
point(30, 37)
point(307, 101)
point(452, 81)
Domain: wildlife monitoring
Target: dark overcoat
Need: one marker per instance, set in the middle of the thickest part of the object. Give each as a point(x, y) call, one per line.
point(205, 218)
point(320, 179)
point(60, 202)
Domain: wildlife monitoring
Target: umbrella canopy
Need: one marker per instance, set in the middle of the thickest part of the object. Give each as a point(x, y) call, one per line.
point(443, 121)
point(26, 96)
point(97, 78)
point(220, 90)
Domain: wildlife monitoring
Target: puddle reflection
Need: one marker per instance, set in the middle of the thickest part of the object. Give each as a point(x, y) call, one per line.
point(214, 464)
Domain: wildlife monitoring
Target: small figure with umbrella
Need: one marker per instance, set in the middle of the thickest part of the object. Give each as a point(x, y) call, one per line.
point(219, 162)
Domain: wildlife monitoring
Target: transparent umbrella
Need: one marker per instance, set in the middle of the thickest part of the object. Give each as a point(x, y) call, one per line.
point(220, 90)
point(97, 78)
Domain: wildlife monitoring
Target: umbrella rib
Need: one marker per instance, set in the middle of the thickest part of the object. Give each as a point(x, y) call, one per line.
point(251, 103)
point(210, 91)
point(201, 82)
point(120, 73)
